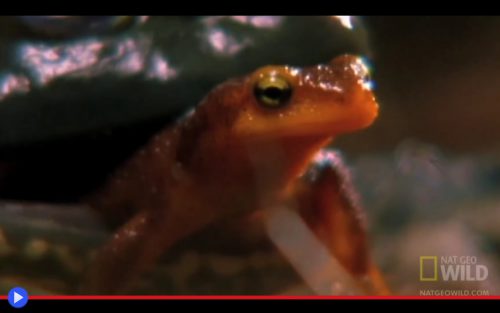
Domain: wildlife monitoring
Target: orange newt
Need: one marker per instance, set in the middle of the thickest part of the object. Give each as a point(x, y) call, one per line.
point(251, 144)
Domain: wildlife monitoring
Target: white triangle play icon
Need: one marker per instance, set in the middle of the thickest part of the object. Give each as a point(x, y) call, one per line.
point(17, 297)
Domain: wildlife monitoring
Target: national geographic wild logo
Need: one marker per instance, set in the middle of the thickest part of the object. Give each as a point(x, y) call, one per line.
point(452, 268)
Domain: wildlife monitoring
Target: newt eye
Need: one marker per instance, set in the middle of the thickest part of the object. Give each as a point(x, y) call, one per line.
point(273, 91)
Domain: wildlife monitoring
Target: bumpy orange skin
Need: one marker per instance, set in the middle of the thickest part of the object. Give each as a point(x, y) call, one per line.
point(230, 156)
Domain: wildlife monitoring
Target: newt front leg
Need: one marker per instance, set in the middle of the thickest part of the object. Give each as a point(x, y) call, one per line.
point(138, 244)
point(330, 206)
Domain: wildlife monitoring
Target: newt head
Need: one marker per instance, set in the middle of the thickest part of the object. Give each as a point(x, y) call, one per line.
point(283, 114)
point(324, 100)
point(288, 102)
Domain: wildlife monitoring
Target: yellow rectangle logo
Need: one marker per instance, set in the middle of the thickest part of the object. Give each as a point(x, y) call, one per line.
point(434, 259)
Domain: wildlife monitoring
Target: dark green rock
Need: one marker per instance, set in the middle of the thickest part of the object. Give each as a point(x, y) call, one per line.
point(95, 96)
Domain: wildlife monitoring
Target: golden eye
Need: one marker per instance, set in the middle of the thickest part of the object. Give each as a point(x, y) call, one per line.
point(273, 91)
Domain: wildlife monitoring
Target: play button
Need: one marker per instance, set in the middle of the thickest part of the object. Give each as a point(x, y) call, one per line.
point(18, 297)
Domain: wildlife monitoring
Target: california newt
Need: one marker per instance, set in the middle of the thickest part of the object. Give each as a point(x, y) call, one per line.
point(251, 144)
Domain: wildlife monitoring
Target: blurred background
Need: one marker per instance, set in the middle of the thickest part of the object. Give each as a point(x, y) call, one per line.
point(428, 169)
